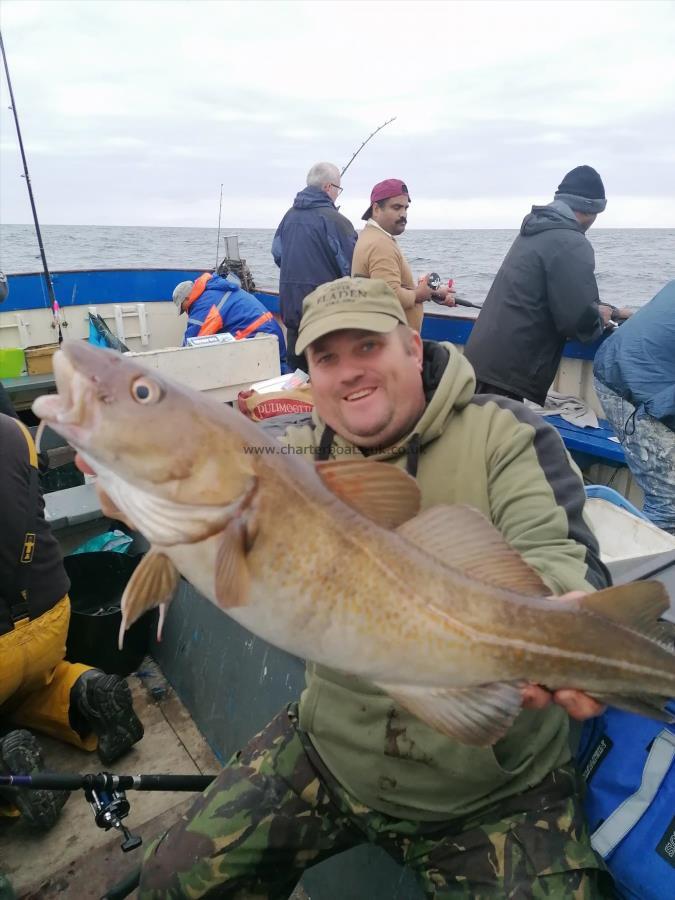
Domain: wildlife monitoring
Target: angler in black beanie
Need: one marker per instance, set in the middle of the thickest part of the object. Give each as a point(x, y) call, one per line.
point(544, 294)
point(582, 190)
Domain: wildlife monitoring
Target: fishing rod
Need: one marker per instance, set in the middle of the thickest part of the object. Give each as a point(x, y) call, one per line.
point(220, 209)
point(371, 135)
point(66, 781)
point(434, 282)
point(48, 278)
point(106, 795)
point(460, 301)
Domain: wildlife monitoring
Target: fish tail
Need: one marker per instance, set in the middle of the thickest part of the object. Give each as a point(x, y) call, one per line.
point(636, 606)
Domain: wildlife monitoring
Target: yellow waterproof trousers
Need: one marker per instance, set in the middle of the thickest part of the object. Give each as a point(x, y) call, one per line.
point(35, 680)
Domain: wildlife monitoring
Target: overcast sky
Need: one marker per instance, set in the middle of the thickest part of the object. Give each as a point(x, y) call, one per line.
point(133, 113)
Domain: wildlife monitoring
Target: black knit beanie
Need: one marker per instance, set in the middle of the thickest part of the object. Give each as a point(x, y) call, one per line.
point(582, 189)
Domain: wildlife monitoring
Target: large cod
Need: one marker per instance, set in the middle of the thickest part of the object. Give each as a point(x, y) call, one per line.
point(331, 562)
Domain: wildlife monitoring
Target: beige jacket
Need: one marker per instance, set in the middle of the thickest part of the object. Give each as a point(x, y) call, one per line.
point(377, 255)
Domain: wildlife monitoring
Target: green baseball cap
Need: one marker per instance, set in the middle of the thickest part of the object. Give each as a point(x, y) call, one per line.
point(368, 304)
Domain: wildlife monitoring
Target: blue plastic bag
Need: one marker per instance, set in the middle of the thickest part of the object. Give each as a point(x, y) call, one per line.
point(628, 763)
point(95, 337)
point(113, 541)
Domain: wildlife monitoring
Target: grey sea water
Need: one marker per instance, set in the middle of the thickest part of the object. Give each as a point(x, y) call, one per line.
point(631, 264)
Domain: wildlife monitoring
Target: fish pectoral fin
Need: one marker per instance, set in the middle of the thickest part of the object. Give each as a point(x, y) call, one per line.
point(478, 716)
point(637, 606)
point(462, 538)
point(232, 573)
point(383, 493)
point(153, 582)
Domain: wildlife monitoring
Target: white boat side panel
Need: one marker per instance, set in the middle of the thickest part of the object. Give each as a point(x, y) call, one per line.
point(221, 370)
point(157, 323)
point(622, 535)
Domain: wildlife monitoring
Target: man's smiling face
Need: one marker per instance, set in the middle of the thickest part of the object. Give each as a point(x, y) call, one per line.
point(367, 386)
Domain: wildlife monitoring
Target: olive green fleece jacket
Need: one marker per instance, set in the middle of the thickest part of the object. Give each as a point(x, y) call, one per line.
point(491, 453)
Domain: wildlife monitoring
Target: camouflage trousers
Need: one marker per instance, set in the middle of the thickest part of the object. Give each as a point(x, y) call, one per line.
point(275, 810)
point(649, 446)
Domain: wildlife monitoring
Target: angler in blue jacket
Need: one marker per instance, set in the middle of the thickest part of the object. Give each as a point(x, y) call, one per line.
point(215, 305)
point(635, 380)
point(313, 244)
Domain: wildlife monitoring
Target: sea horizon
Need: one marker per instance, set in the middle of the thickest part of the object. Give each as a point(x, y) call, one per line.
point(273, 227)
point(631, 264)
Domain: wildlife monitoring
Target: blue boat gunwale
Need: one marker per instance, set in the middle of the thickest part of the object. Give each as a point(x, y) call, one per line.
point(88, 287)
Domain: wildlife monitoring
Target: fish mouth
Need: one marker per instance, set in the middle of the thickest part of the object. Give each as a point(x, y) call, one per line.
point(71, 409)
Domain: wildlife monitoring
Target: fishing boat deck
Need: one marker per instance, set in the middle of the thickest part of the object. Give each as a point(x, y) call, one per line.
point(77, 859)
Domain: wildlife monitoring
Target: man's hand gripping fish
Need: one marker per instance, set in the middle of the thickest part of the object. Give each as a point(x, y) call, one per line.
point(330, 561)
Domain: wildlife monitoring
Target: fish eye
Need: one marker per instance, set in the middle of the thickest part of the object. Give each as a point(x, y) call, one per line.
point(144, 390)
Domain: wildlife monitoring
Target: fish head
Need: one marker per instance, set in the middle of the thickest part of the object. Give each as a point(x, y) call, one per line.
point(146, 429)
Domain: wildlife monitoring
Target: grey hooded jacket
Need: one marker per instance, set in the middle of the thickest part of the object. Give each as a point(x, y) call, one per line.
point(544, 293)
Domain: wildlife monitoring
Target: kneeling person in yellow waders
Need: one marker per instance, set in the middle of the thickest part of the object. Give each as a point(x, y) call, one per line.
point(38, 689)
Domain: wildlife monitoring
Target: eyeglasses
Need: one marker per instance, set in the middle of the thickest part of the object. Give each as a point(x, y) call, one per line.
point(337, 187)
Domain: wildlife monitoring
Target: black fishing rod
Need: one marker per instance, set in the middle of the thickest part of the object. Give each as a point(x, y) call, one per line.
point(105, 793)
point(371, 135)
point(105, 781)
point(220, 209)
point(460, 301)
point(48, 278)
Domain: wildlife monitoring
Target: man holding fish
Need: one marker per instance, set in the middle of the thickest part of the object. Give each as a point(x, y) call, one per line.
point(423, 728)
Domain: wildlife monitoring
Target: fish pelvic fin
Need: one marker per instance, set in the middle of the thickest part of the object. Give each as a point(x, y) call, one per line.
point(380, 491)
point(153, 583)
point(478, 716)
point(637, 606)
point(462, 538)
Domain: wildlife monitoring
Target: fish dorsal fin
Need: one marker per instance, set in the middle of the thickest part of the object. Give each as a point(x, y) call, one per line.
point(380, 491)
point(461, 537)
point(637, 606)
point(478, 716)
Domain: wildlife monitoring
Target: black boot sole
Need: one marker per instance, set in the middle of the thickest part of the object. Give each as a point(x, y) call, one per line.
point(20, 755)
point(107, 706)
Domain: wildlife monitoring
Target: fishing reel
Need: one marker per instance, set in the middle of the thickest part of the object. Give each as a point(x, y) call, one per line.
point(434, 282)
point(109, 808)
